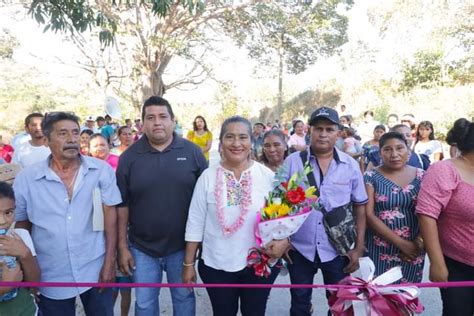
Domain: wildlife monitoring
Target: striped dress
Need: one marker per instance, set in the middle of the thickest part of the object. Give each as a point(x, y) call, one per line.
point(395, 207)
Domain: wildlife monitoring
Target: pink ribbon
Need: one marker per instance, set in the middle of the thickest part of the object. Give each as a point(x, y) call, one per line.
point(230, 285)
point(387, 304)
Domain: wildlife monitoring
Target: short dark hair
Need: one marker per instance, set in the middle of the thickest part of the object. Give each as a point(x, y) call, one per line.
point(281, 135)
point(99, 119)
point(52, 118)
point(87, 131)
point(461, 135)
point(259, 123)
point(398, 126)
point(98, 135)
point(6, 191)
point(381, 126)
point(31, 116)
point(392, 135)
point(369, 112)
point(120, 130)
point(235, 119)
point(295, 122)
point(392, 115)
point(157, 101)
point(128, 120)
point(195, 125)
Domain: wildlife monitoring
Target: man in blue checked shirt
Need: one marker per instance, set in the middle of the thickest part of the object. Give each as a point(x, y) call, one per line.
point(54, 200)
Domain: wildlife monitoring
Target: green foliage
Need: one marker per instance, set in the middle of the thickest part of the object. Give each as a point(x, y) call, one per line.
point(424, 72)
point(298, 31)
point(8, 43)
point(82, 15)
point(308, 101)
point(227, 99)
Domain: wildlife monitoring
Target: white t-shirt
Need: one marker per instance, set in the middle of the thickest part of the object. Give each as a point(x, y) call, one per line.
point(429, 148)
point(27, 154)
point(221, 252)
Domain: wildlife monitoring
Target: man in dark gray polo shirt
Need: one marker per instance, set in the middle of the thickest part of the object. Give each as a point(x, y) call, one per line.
point(156, 176)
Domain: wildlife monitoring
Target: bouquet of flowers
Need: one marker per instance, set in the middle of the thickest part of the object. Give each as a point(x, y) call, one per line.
point(286, 208)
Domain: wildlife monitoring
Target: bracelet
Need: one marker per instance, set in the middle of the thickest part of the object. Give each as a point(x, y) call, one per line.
point(189, 264)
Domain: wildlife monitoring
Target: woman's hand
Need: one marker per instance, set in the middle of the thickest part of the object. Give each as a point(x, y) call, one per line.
point(189, 275)
point(409, 250)
point(438, 272)
point(277, 248)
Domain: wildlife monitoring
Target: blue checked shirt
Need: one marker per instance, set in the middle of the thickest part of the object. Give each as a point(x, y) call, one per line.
point(67, 248)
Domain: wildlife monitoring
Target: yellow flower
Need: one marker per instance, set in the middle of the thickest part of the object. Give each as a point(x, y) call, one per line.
point(275, 211)
point(283, 210)
point(270, 210)
point(310, 192)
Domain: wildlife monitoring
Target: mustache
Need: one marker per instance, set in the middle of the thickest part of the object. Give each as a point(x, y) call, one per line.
point(71, 147)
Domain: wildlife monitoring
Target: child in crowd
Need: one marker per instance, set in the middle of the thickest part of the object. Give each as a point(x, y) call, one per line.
point(17, 259)
point(351, 145)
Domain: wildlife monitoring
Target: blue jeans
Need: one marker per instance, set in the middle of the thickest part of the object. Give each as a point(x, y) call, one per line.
point(302, 271)
point(95, 304)
point(150, 270)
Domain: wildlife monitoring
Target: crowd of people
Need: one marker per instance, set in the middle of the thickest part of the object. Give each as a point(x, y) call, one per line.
point(110, 203)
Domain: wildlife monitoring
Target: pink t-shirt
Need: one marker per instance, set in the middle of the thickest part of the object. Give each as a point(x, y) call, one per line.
point(446, 197)
point(296, 140)
point(113, 160)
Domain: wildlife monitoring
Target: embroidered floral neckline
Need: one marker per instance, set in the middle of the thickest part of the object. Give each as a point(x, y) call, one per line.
point(243, 200)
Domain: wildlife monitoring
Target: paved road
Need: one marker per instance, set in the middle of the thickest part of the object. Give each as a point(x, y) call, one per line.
point(279, 301)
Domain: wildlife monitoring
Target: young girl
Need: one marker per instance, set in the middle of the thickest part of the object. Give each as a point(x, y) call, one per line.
point(351, 145)
point(16, 251)
point(426, 142)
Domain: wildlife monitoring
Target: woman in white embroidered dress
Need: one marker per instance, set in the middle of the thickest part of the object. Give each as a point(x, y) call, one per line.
point(222, 216)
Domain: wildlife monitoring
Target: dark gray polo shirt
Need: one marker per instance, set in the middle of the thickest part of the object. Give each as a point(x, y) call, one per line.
point(157, 187)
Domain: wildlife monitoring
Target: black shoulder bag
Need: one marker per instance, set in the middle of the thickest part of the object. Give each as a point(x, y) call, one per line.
point(338, 223)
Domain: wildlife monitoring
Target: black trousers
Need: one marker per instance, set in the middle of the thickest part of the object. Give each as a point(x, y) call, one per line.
point(225, 301)
point(458, 301)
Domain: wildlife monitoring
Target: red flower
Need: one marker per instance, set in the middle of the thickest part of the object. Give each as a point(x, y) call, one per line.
point(296, 196)
point(285, 185)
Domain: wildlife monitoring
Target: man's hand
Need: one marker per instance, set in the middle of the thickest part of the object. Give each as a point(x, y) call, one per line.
point(107, 273)
point(353, 256)
point(125, 261)
point(13, 245)
point(278, 248)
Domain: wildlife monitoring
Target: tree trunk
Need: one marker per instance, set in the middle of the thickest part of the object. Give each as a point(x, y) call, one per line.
point(279, 109)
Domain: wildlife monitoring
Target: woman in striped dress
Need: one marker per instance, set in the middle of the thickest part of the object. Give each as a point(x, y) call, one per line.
point(393, 233)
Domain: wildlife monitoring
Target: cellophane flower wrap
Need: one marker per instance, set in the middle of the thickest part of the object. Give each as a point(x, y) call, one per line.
point(287, 206)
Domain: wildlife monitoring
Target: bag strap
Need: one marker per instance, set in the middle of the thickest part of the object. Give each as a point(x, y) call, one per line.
point(310, 176)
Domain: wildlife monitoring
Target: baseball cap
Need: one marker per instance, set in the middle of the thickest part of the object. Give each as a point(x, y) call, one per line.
point(90, 118)
point(324, 113)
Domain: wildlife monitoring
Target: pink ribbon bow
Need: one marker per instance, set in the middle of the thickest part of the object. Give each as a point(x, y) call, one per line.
point(369, 298)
